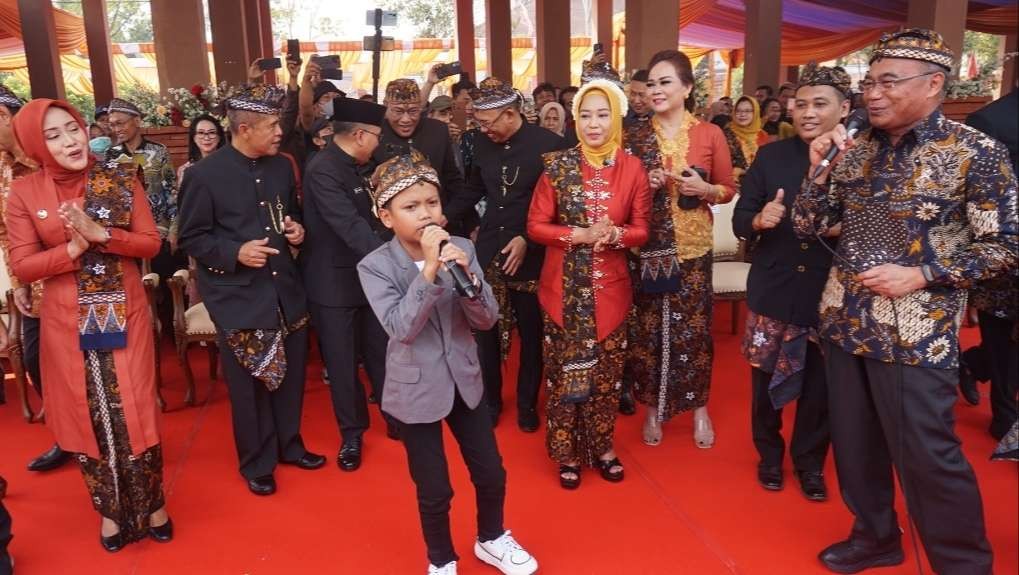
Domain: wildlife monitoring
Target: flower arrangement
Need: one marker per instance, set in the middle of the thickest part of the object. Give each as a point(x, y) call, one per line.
point(154, 113)
point(189, 103)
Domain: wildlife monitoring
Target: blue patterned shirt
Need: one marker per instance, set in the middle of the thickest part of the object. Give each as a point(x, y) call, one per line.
point(945, 196)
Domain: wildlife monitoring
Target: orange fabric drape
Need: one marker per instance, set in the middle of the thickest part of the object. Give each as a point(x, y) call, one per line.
point(1000, 20)
point(70, 28)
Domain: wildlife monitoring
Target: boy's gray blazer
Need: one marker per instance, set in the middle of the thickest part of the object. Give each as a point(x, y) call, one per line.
point(431, 348)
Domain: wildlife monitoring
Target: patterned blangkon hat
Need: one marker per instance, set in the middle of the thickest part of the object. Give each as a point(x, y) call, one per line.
point(915, 44)
point(399, 173)
point(814, 75)
point(9, 99)
point(258, 98)
point(494, 93)
point(123, 106)
point(604, 77)
point(403, 91)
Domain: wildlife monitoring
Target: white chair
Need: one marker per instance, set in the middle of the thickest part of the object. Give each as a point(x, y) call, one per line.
point(729, 271)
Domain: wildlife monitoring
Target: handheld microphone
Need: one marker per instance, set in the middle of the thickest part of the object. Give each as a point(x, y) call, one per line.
point(855, 123)
point(464, 286)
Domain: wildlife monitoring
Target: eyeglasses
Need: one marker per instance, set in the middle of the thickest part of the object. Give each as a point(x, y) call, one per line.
point(207, 134)
point(376, 134)
point(890, 84)
point(488, 125)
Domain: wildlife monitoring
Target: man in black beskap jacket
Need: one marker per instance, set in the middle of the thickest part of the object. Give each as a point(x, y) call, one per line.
point(784, 288)
point(406, 127)
point(507, 165)
point(341, 230)
point(239, 219)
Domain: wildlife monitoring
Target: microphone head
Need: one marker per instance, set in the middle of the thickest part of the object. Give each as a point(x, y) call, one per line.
point(858, 120)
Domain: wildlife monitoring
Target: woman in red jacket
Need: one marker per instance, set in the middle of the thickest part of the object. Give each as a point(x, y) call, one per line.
point(591, 204)
point(81, 227)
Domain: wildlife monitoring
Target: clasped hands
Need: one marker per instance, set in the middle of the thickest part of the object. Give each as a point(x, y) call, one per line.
point(602, 234)
point(82, 231)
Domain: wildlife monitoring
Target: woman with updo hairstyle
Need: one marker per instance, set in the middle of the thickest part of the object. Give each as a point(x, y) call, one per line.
point(689, 170)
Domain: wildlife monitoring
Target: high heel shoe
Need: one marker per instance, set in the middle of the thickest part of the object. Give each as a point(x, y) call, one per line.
point(112, 543)
point(162, 533)
point(703, 433)
point(652, 431)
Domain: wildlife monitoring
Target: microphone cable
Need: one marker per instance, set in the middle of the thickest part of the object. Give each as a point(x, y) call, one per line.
point(899, 378)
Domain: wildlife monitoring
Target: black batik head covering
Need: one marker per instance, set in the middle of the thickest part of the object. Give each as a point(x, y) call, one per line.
point(915, 44)
point(836, 77)
point(258, 98)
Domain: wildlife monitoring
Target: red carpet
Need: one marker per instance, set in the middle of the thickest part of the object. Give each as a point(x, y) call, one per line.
point(680, 509)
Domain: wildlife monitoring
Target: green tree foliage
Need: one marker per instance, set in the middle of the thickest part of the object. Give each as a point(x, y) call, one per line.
point(129, 20)
point(433, 18)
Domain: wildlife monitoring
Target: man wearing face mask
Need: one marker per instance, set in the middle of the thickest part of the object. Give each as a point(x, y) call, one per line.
point(507, 165)
point(341, 231)
point(406, 128)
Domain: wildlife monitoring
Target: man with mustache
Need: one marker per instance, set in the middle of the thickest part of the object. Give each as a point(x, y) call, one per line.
point(240, 221)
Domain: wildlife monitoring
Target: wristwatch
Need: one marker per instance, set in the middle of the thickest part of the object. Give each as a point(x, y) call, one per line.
point(928, 273)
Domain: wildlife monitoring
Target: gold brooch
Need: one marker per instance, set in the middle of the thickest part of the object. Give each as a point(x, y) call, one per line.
point(43, 214)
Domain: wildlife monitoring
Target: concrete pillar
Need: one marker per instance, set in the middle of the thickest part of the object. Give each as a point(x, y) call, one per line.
point(39, 36)
point(497, 28)
point(650, 27)
point(763, 44)
point(97, 36)
point(947, 17)
point(179, 30)
point(553, 41)
point(465, 37)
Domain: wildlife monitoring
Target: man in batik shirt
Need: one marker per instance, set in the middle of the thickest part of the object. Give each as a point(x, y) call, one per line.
point(927, 208)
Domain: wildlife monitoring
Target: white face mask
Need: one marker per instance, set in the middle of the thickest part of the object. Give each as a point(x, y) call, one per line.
point(327, 109)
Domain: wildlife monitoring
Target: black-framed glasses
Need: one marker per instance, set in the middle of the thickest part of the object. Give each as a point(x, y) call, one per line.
point(488, 125)
point(889, 84)
point(376, 134)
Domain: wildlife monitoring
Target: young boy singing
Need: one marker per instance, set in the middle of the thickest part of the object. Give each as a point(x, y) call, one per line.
point(432, 371)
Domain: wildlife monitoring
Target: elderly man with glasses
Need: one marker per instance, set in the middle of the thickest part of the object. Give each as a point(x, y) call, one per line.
point(927, 208)
point(506, 167)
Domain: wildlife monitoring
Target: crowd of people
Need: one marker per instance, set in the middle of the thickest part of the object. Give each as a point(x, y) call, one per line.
point(414, 237)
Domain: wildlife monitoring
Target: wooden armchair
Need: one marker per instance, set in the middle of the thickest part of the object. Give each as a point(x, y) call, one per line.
point(151, 283)
point(191, 324)
point(15, 354)
point(729, 271)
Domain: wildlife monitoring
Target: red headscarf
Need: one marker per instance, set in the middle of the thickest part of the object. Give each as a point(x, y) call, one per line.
point(28, 132)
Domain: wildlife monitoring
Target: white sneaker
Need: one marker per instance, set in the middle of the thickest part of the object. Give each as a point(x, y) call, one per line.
point(447, 569)
point(506, 555)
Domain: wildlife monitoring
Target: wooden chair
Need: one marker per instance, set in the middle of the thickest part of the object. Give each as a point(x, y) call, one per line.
point(191, 324)
point(151, 282)
point(729, 270)
point(15, 354)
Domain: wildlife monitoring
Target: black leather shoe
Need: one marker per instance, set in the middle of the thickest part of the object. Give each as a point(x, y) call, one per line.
point(812, 485)
point(162, 533)
point(968, 386)
point(113, 543)
point(265, 485)
point(626, 404)
point(770, 478)
point(349, 458)
point(527, 420)
point(50, 460)
point(308, 461)
point(852, 557)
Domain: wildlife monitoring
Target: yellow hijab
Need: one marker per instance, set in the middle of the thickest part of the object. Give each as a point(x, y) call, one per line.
point(597, 155)
point(748, 133)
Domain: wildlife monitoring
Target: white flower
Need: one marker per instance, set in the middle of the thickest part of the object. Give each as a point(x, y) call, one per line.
point(938, 350)
point(927, 211)
point(99, 269)
point(103, 213)
point(759, 338)
point(691, 395)
point(683, 357)
point(676, 316)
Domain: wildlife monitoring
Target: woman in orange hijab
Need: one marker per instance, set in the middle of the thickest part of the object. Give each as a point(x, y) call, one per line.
point(590, 206)
point(80, 227)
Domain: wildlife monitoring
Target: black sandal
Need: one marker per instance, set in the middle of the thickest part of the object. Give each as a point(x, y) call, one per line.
point(565, 482)
point(606, 465)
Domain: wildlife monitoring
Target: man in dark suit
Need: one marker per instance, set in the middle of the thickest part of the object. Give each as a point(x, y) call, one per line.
point(341, 231)
point(239, 220)
point(507, 165)
point(405, 128)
